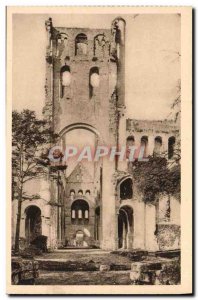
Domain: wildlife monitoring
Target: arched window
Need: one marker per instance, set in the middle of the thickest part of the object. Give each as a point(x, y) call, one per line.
point(80, 212)
point(157, 146)
point(130, 141)
point(171, 146)
point(144, 143)
point(62, 38)
point(94, 81)
point(61, 44)
point(126, 190)
point(65, 79)
point(97, 224)
point(87, 193)
point(73, 214)
point(101, 46)
point(72, 192)
point(80, 192)
point(86, 214)
point(81, 44)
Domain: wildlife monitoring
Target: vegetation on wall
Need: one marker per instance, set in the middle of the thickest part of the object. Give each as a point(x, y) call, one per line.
point(157, 175)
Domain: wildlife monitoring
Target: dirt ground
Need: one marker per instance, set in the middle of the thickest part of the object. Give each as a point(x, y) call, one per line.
point(83, 278)
point(99, 257)
point(81, 267)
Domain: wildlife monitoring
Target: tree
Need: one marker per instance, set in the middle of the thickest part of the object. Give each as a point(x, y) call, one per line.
point(29, 135)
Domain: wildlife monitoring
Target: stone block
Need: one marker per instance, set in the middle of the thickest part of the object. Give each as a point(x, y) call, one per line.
point(104, 268)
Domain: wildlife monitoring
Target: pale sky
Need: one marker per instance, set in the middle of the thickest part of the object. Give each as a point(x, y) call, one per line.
point(152, 59)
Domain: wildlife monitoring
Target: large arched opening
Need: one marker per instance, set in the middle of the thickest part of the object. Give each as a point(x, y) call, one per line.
point(125, 227)
point(33, 223)
point(126, 189)
point(80, 212)
point(81, 176)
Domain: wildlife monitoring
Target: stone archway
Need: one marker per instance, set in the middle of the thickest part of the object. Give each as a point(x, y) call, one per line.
point(75, 126)
point(125, 227)
point(33, 223)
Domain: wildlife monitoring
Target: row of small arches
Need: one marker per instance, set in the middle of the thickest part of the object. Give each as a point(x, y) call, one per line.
point(130, 141)
point(101, 44)
point(80, 192)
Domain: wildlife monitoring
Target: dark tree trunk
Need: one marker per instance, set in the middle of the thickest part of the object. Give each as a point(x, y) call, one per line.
point(18, 224)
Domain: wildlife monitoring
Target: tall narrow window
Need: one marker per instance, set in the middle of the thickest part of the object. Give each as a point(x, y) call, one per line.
point(62, 44)
point(130, 141)
point(81, 44)
point(157, 146)
point(101, 46)
point(79, 214)
point(72, 192)
point(94, 81)
point(73, 214)
point(86, 214)
point(97, 223)
point(144, 143)
point(171, 147)
point(65, 78)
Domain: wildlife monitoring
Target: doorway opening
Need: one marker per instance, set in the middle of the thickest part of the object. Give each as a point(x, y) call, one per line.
point(33, 223)
point(125, 228)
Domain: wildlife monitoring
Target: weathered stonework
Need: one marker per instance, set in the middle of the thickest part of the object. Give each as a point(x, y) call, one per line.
point(105, 209)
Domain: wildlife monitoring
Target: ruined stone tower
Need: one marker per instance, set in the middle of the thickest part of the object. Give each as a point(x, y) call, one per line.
point(98, 204)
point(85, 90)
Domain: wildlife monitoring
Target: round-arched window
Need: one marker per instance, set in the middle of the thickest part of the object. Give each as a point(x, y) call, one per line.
point(126, 190)
point(81, 44)
point(80, 192)
point(80, 212)
point(65, 76)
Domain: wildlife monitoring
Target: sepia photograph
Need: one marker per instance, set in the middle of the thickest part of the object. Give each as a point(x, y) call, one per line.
point(98, 105)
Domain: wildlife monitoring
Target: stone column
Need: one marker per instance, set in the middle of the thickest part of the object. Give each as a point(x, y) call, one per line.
point(122, 165)
point(138, 224)
point(108, 208)
point(124, 246)
point(151, 144)
point(150, 227)
point(44, 227)
point(129, 240)
point(165, 144)
point(175, 210)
